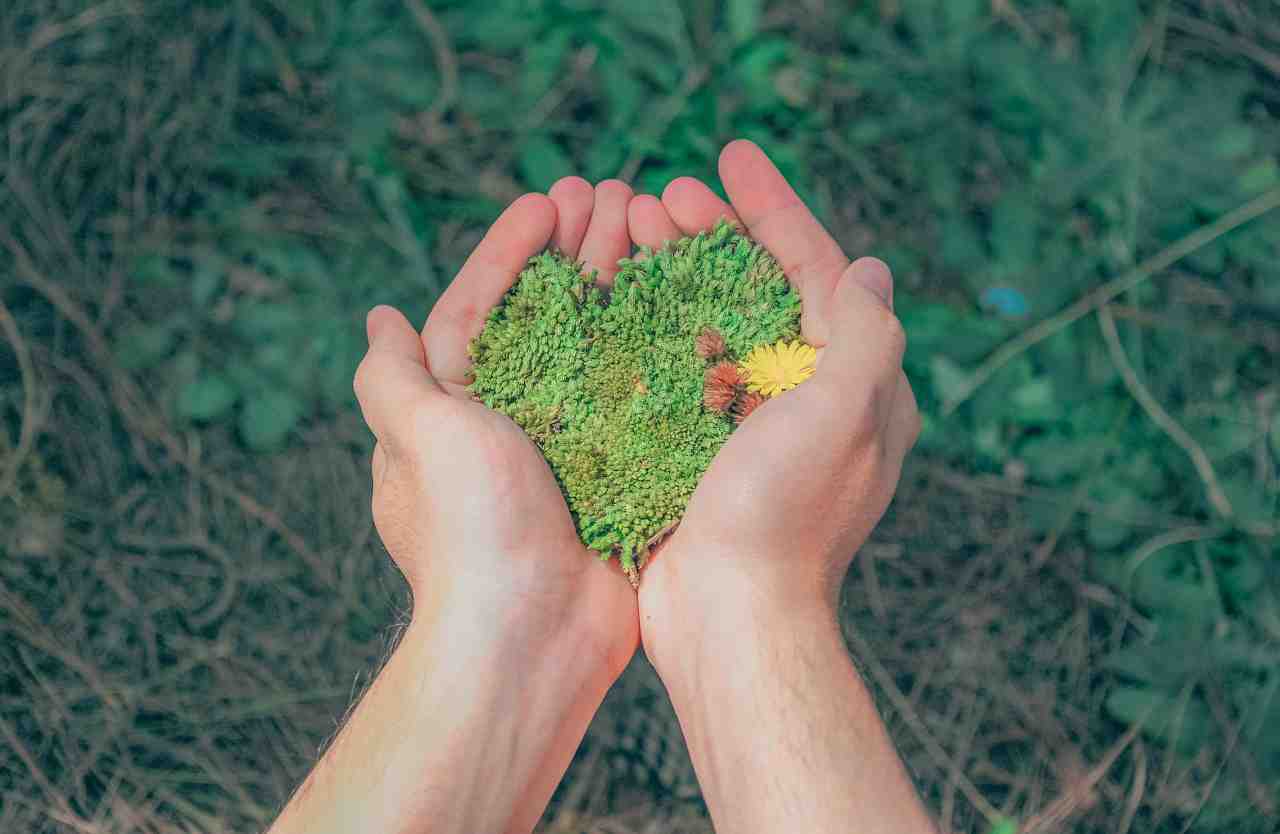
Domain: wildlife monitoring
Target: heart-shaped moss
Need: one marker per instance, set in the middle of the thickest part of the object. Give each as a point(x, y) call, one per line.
point(629, 392)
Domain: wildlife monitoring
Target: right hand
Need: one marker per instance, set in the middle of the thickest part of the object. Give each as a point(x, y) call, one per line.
point(799, 486)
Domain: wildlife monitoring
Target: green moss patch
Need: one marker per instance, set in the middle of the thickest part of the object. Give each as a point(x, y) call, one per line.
point(609, 382)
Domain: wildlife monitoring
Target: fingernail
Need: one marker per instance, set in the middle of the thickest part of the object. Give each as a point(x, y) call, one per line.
point(874, 274)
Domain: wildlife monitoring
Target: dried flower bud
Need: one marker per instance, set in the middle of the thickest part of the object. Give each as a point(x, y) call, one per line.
point(709, 343)
point(720, 386)
point(717, 397)
point(746, 404)
point(725, 373)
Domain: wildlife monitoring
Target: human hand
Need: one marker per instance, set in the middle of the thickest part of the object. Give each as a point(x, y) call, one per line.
point(799, 486)
point(505, 594)
point(463, 500)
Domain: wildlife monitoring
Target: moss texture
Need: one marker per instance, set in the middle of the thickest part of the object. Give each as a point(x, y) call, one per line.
point(609, 383)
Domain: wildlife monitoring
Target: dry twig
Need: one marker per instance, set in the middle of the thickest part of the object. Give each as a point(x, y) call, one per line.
point(446, 59)
point(923, 735)
point(1161, 417)
point(27, 430)
point(1062, 809)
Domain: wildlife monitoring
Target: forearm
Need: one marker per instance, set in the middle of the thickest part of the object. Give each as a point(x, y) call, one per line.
point(783, 734)
point(466, 729)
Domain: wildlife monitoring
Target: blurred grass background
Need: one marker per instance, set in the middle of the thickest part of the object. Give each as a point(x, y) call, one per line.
point(1070, 615)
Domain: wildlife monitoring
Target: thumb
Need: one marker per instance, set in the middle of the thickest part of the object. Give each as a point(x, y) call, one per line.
point(393, 377)
point(867, 340)
point(386, 329)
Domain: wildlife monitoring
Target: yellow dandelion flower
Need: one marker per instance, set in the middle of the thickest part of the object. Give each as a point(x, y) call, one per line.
point(772, 369)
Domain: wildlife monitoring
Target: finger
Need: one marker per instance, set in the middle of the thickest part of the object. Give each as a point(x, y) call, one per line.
point(864, 355)
point(649, 223)
point(607, 240)
point(392, 375)
point(776, 217)
point(574, 198)
point(521, 232)
point(694, 207)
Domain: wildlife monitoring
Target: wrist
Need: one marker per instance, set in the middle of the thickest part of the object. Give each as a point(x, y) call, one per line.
point(502, 599)
point(701, 614)
point(522, 626)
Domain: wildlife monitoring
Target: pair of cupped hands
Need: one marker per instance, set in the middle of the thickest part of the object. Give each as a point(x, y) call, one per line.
point(470, 512)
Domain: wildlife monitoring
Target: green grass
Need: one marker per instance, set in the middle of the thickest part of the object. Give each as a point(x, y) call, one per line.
point(198, 202)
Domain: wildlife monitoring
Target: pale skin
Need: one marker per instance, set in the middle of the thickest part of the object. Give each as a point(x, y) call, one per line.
point(517, 632)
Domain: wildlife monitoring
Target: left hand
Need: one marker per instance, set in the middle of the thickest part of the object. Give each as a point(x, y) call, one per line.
point(463, 500)
point(471, 514)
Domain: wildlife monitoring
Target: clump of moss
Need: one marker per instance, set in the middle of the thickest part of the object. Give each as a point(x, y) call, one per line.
point(610, 383)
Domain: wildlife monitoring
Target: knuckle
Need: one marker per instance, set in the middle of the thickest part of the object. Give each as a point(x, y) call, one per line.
point(916, 422)
point(894, 335)
point(864, 422)
point(364, 378)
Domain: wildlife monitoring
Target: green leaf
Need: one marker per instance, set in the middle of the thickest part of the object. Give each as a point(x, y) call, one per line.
point(1165, 585)
point(1233, 141)
point(1241, 580)
point(542, 162)
point(1184, 722)
point(658, 23)
point(155, 269)
point(1053, 457)
point(268, 321)
point(1035, 400)
point(961, 247)
point(543, 58)
point(267, 419)
point(1211, 258)
point(949, 379)
point(963, 15)
point(1260, 176)
point(1252, 501)
point(1275, 435)
point(207, 398)
point(205, 285)
point(1145, 664)
point(625, 93)
point(1014, 231)
point(1106, 530)
point(143, 346)
point(743, 18)
point(605, 157)
point(756, 63)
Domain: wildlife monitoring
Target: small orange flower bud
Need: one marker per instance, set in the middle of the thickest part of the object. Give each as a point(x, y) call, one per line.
point(726, 374)
point(717, 397)
point(720, 386)
point(746, 404)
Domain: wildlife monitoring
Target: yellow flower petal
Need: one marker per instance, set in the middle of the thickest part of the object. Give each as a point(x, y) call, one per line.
point(772, 369)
